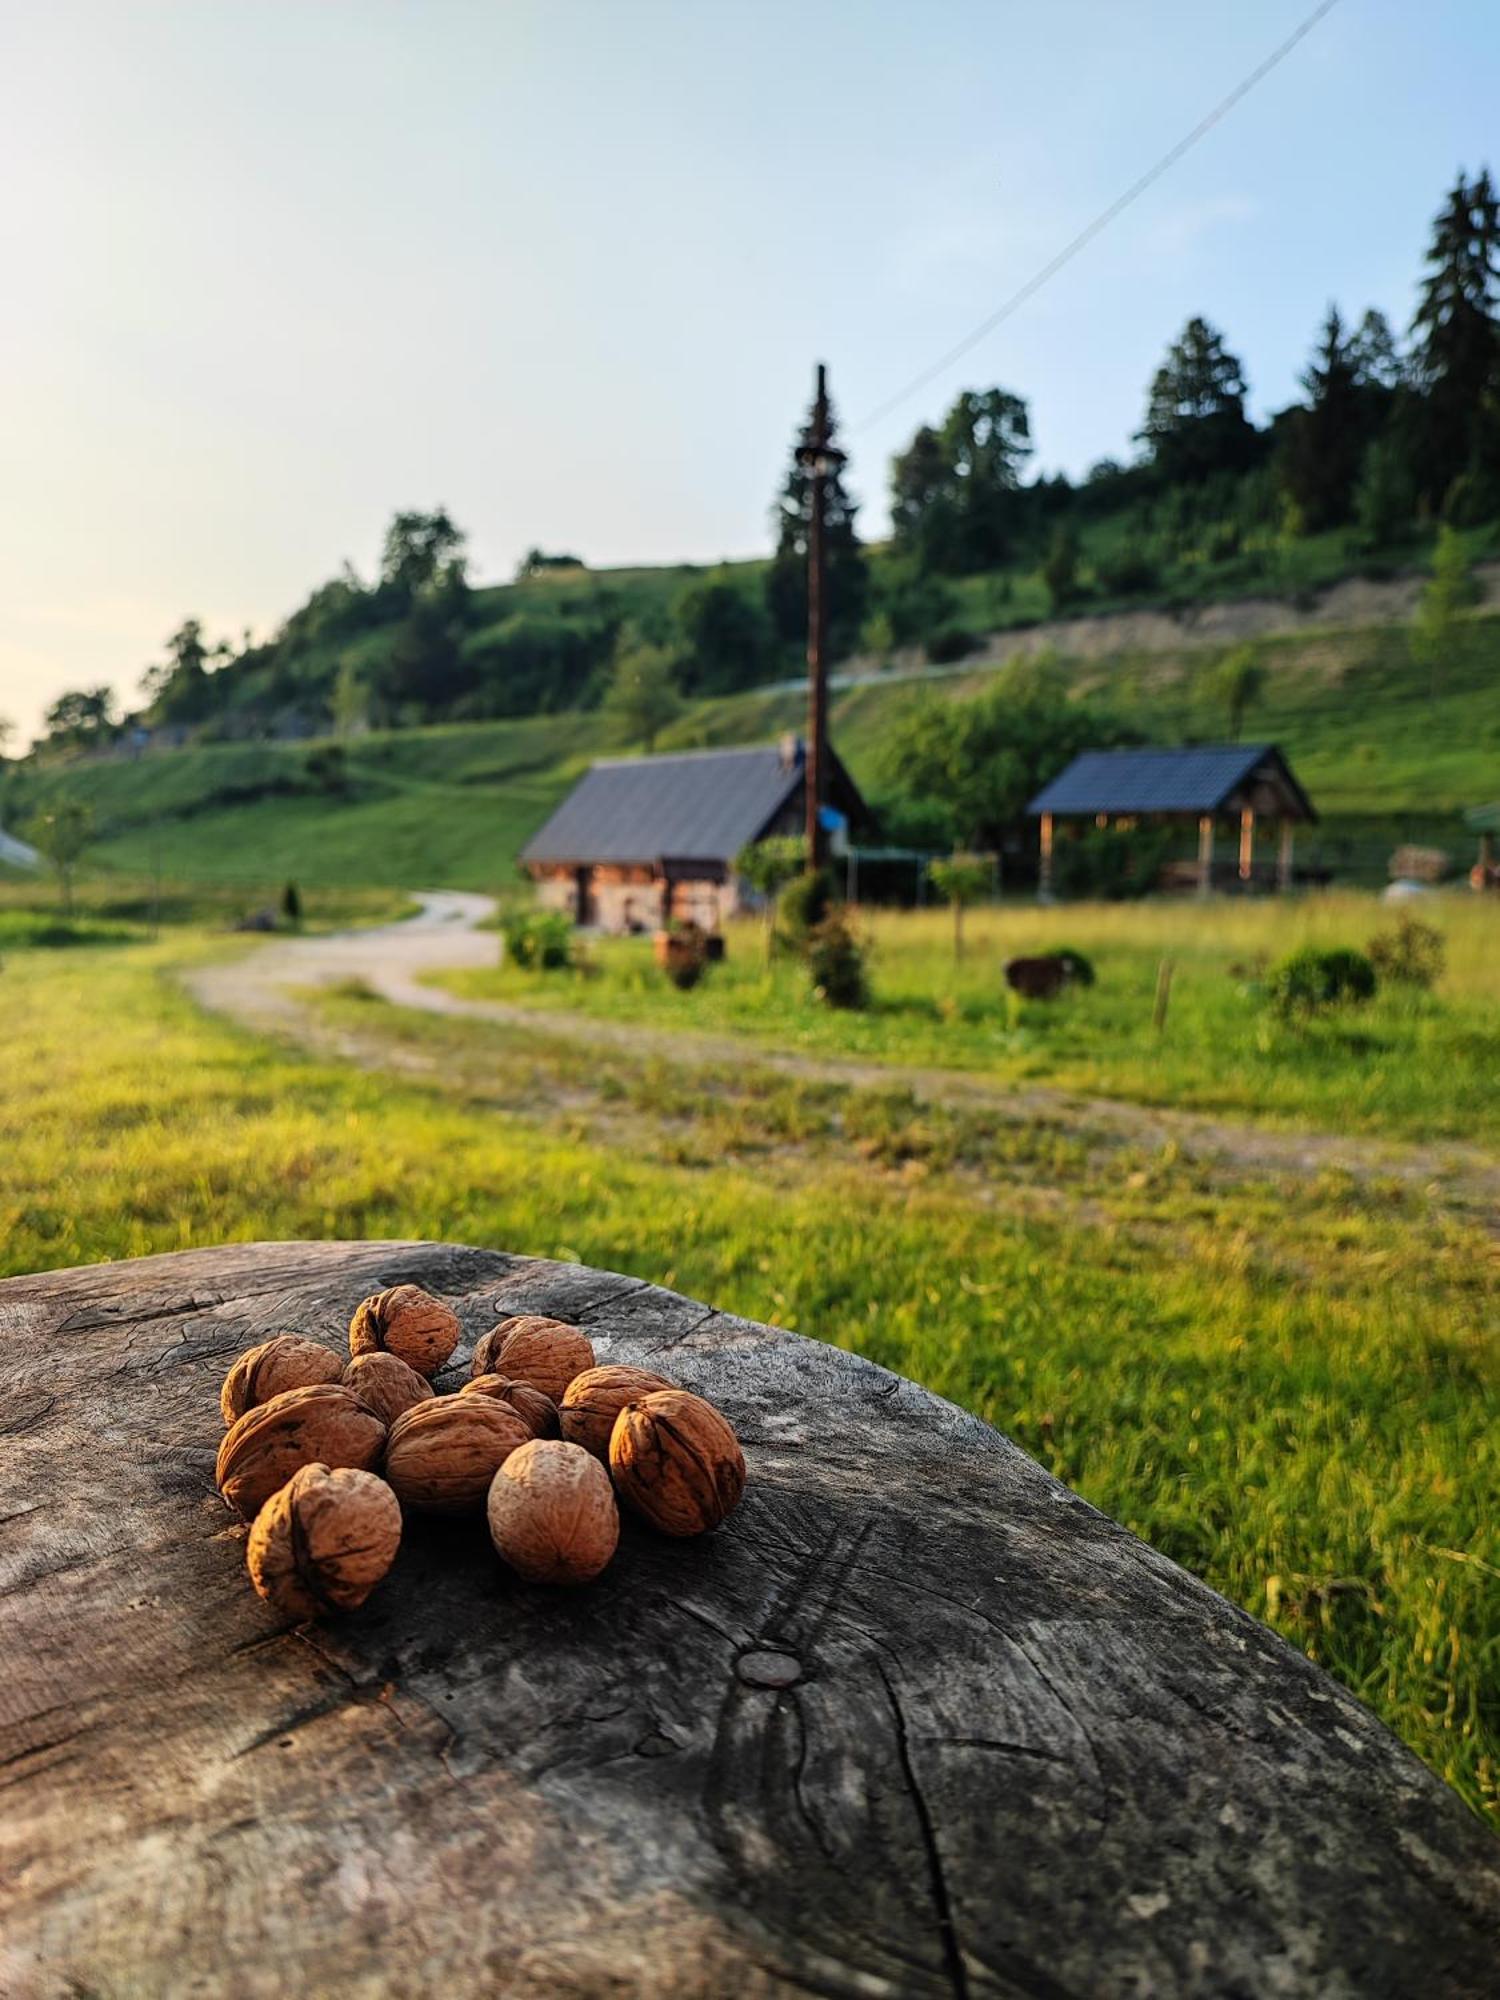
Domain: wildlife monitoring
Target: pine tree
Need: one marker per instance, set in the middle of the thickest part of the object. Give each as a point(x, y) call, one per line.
point(844, 558)
point(1455, 331)
point(1325, 441)
point(1195, 412)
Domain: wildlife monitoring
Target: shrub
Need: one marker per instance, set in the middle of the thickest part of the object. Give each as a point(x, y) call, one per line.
point(1413, 954)
point(1080, 969)
point(948, 644)
point(1110, 863)
point(1311, 981)
point(804, 904)
point(1127, 572)
point(537, 940)
point(836, 963)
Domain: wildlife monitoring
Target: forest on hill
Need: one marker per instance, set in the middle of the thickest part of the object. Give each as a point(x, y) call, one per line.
point(1394, 442)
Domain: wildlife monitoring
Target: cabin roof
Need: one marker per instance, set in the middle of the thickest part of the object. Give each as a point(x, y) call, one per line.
point(1202, 778)
point(704, 804)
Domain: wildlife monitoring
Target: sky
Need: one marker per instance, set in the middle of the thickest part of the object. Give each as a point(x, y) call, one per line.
point(269, 272)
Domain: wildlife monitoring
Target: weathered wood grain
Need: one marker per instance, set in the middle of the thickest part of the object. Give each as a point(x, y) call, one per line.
point(917, 1721)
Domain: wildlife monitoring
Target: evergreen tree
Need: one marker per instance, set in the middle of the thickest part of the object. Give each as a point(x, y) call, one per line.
point(1455, 332)
point(956, 492)
point(848, 579)
point(1325, 441)
point(1195, 413)
point(1373, 353)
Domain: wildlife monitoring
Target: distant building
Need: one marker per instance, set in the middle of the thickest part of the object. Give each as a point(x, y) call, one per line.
point(1237, 785)
point(642, 840)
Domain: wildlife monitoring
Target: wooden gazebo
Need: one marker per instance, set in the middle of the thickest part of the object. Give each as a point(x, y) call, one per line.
point(1236, 782)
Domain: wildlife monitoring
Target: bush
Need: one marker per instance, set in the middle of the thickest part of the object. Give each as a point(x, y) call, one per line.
point(1080, 969)
point(1413, 954)
point(804, 904)
point(1312, 981)
point(1127, 572)
point(836, 964)
point(537, 940)
point(1111, 864)
point(948, 644)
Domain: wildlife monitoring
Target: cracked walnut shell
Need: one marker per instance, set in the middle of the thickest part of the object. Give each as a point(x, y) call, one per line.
point(286, 1361)
point(385, 1384)
point(677, 1462)
point(552, 1513)
point(407, 1322)
point(536, 1411)
point(323, 1541)
point(593, 1400)
point(324, 1424)
point(441, 1456)
point(547, 1353)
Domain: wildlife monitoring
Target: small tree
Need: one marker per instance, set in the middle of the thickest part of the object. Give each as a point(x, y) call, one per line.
point(642, 693)
point(1238, 681)
point(960, 879)
point(1435, 625)
point(62, 835)
point(291, 905)
point(1060, 570)
point(768, 865)
point(7, 736)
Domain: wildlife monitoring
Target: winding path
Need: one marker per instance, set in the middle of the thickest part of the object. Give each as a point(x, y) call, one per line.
point(260, 990)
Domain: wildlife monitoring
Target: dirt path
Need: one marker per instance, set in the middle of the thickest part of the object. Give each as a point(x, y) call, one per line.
point(260, 991)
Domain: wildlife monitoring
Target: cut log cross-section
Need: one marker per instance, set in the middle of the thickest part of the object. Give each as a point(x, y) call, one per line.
point(916, 1721)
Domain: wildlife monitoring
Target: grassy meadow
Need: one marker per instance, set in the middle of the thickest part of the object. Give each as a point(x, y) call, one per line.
point(1283, 1379)
point(1385, 755)
point(1411, 1064)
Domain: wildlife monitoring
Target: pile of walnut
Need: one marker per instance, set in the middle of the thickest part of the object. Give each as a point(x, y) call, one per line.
point(321, 1455)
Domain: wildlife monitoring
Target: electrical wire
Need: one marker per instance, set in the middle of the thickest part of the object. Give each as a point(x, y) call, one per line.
point(1102, 220)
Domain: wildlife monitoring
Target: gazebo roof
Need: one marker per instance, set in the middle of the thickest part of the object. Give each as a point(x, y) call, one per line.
point(1202, 778)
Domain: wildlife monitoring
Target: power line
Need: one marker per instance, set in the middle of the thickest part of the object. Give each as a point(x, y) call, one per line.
point(1101, 221)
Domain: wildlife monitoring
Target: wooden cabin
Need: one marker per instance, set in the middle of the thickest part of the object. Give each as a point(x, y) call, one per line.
point(640, 841)
point(1234, 788)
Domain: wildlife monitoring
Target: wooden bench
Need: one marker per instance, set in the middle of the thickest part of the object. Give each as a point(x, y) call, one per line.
point(917, 1721)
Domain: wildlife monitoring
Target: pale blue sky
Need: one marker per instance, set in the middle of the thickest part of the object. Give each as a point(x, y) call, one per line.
point(275, 270)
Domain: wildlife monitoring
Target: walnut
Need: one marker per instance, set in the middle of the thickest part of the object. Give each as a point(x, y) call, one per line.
point(385, 1384)
point(547, 1353)
point(325, 1424)
point(536, 1411)
point(407, 1322)
point(442, 1455)
point(286, 1361)
point(552, 1513)
point(323, 1541)
point(677, 1462)
point(593, 1400)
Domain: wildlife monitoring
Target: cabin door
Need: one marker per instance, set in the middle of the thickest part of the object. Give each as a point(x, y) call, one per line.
point(583, 895)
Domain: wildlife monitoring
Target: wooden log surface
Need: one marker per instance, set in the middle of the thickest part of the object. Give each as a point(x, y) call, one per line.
point(917, 1720)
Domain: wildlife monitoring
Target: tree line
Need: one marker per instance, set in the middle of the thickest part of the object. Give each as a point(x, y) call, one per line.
point(1389, 437)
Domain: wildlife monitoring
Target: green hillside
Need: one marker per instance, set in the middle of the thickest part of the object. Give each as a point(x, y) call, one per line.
point(1383, 754)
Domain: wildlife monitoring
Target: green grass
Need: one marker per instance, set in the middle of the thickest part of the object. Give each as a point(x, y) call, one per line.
point(110, 907)
point(1384, 756)
point(1411, 1064)
point(1287, 1386)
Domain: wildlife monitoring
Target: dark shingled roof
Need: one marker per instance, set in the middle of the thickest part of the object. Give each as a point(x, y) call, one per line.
point(1195, 780)
point(704, 805)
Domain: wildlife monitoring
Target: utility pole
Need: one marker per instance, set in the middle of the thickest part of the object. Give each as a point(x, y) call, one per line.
point(818, 456)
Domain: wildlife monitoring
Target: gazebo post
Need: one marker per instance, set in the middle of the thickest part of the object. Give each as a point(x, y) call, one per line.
point(1247, 843)
point(1205, 854)
point(1284, 856)
point(1044, 879)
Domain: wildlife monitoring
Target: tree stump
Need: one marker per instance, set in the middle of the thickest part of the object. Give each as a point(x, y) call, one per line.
point(916, 1721)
